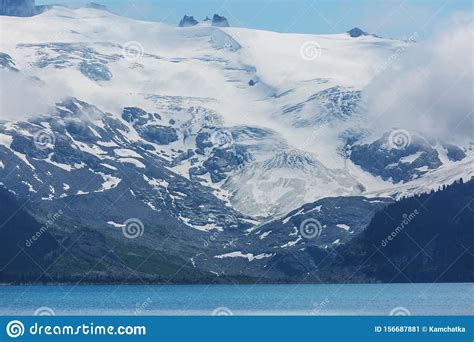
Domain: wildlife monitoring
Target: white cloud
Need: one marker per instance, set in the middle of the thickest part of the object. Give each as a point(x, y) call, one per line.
point(24, 96)
point(430, 88)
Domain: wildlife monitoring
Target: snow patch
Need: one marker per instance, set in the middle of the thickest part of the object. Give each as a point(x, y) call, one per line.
point(343, 226)
point(135, 162)
point(249, 256)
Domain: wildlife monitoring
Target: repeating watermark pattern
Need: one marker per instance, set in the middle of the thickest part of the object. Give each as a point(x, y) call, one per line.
point(318, 308)
point(133, 228)
point(310, 51)
point(44, 140)
point(222, 311)
point(311, 228)
point(222, 138)
point(142, 307)
point(407, 218)
point(399, 139)
point(44, 311)
point(51, 220)
point(15, 329)
point(133, 51)
point(469, 206)
point(332, 252)
point(315, 133)
point(400, 311)
point(213, 237)
point(398, 52)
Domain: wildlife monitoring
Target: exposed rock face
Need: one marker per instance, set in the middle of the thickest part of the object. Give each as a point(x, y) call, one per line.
point(6, 62)
point(357, 32)
point(188, 21)
point(17, 8)
point(219, 21)
point(406, 162)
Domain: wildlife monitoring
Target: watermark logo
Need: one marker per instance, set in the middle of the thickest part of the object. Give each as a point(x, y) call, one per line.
point(133, 228)
point(142, 307)
point(44, 140)
point(400, 311)
point(311, 228)
point(212, 237)
point(44, 311)
point(222, 311)
point(222, 138)
point(51, 221)
point(318, 308)
point(398, 52)
point(407, 219)
point(133, 51)
point(399, 139)
point(310, 51)
point(15, 329)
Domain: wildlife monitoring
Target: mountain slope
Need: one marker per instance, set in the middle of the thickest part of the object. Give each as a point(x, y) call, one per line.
point(427, 238)
point(199, 79)
point(211, 149)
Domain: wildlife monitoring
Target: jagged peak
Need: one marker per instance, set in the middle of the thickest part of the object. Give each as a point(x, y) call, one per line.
point(219, 21)
point(188, 21)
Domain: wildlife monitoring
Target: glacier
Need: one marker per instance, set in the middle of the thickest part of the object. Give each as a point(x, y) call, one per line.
point(205, 132)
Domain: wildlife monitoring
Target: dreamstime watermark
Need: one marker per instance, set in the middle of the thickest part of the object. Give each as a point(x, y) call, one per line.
point(310, 51)
point(213, 237)
point(407, 218)
point(399, 139)
point(44, 311)
point(469, 206)
point(400, 311)
point(16, 328)
point(44, 140)
point(315, 133)
point(311, 228)
point(222, 311)
point(133, 228)
point(142, 307)
point(318, 308)
point(398, 52)
point(133, 51)
point(222, 138)
point(51, 220)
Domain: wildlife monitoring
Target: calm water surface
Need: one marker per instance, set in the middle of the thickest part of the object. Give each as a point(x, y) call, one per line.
point(368, 299)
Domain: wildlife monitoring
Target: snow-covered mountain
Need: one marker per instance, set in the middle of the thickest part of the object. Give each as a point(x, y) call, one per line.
point(202, 132)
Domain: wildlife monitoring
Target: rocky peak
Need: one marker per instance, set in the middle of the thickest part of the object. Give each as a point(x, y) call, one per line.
point(357, 32)
point(188, 21)
point(219, 21)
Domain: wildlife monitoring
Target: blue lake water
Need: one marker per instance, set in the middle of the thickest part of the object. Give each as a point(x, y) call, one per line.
point(353, 299)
